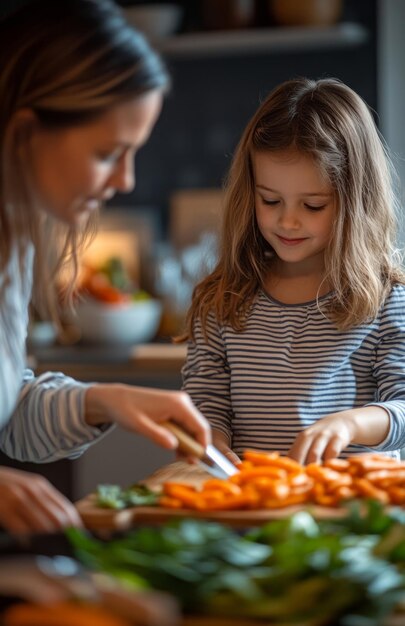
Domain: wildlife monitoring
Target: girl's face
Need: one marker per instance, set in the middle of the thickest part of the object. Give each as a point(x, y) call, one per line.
point(295, 208)
point(76, 168)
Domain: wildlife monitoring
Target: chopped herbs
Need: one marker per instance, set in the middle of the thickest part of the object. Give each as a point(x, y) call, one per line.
point(114, 497)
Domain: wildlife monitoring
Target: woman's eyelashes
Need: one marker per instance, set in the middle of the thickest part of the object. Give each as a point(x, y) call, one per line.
point(112, 156)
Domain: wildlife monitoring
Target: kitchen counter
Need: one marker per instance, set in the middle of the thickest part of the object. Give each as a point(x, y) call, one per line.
point(151, 365)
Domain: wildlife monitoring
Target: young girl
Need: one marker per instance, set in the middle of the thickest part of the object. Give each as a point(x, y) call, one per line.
point(80, 94)
point(297, 338)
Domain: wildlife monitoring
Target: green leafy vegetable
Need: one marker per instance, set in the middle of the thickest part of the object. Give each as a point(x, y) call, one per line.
point(116, 273)
point(114, 497)
point(348, 572)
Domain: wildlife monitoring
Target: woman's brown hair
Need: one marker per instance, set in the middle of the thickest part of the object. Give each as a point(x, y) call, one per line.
point(68, 62)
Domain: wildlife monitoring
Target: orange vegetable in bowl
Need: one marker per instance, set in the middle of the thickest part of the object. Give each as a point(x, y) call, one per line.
point(99, 287)
point(110, 283)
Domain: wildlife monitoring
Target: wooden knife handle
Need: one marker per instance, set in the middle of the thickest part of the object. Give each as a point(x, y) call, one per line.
point(187, 444)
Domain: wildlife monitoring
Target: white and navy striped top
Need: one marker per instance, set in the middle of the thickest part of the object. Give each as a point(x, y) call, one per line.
point(291, 367)
point(41, 419)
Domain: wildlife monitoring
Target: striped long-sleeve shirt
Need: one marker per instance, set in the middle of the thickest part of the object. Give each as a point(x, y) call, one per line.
point(41, 419)
point(291, 367)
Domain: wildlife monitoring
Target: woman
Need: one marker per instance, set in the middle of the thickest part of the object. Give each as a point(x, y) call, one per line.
point(80, 94)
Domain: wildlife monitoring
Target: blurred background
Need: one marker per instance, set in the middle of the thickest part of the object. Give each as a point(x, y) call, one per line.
point(155, 243)
point(224, 57)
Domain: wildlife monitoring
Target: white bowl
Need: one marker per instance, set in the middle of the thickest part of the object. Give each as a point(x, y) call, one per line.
point(155, 20)
point(41, 334)
point(127, 323)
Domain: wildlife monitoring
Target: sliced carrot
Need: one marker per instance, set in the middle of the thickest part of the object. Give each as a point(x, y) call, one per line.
point(345, 493)
point(262, 470)
point(365, 488)
point(366, 464)
point(339, 465)
point(386, 477)
point(275, 503)
point(318, 490)
point(344, 480)
point(206, 498)
point(245, 500)
point(296, 480)
point(260, 458)
point(397, 495)
point(222, 485)
point(288, 464)
point(327, 500)
point(323, 474)
point(170, 503)
point(188, 495)
point(281, 490)
point(303, 488)
point(272, 459)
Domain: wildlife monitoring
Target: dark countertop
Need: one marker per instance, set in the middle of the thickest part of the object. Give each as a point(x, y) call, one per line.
point(155, 364)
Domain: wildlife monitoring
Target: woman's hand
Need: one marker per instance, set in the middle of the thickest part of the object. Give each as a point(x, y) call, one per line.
point(221, 442)
point(367, 426)
point(29, 503)
point(141, 410)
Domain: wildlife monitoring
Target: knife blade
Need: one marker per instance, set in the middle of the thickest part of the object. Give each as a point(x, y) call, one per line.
point(210, 457)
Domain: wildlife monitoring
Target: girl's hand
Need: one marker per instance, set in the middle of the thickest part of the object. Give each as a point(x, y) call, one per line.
point(366, 426)
point(29, 503)
point(325, 439)
point(141, 410)
point(220, 441)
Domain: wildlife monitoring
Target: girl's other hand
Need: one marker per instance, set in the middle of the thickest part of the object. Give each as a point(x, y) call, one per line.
point(366, 426)
point(141, 410)
point(30, 504)
point(324, 440)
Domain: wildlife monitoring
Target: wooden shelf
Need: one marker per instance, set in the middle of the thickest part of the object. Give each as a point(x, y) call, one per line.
point(267, 40)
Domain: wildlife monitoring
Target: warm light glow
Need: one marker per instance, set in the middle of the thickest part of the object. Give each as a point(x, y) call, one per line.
point(122, 244)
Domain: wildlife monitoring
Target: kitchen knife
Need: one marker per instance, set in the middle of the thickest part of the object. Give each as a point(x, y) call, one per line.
point(210, 457)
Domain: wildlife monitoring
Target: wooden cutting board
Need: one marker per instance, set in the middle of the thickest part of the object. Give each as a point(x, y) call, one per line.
point(97, 518)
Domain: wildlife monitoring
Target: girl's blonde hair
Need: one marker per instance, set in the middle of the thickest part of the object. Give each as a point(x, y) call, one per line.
point(328, 121)
point(69, 62)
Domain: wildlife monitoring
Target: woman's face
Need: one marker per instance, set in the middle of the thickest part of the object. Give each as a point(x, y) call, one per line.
point(76, 168)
